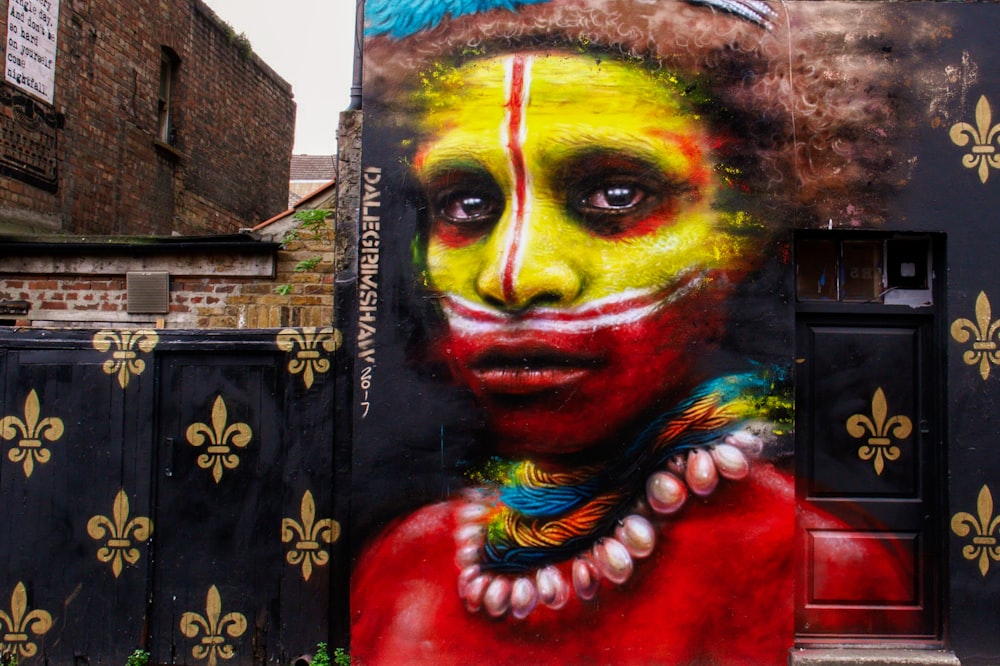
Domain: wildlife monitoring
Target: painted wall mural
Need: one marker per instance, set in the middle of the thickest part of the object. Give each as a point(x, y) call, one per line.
point(981, 332)
point(28, 433)
point(575, 272)
point(982, 528)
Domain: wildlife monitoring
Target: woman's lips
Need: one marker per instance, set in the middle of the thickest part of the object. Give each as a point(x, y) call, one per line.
point(529, 371)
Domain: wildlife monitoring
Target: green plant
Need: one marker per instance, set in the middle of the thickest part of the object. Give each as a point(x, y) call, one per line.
point(313, 219)
point(313, 222)
point(138, 658)
point(320, 657)
point(241, 41)
point(243, 44)
point(8, 658)
point(307, 264)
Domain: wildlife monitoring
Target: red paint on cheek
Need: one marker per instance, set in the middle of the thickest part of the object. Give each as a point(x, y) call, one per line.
point(698, 173)
point(419, 159)
point(664, 216)
point(453, 237)
point(629, 371)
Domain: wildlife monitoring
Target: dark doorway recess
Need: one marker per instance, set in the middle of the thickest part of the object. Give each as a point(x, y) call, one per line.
point(870, 441)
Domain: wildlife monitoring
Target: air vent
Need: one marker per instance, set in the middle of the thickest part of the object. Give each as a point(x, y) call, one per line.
point(148, 292)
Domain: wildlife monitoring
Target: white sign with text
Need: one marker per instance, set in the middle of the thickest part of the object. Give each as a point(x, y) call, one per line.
point(32, 28)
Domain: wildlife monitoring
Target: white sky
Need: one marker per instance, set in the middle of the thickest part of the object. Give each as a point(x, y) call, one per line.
point(310, 44)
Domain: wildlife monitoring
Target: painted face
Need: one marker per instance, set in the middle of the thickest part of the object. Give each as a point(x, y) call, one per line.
point(573, 241)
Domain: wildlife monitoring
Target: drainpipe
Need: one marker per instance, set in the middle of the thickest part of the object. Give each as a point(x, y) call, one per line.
point(359, 40)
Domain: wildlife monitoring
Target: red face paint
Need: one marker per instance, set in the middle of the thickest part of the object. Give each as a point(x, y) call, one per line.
point(517, 100)
point(564, 391)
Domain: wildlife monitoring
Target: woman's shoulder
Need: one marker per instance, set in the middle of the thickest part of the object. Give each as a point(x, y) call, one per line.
point(411, 544)
point(404, 605)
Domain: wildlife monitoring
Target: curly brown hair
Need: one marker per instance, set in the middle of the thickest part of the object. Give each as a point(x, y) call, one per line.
point(820, 104)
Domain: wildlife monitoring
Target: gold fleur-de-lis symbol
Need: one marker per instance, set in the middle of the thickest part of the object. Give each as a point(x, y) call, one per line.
point(220, 438)
point(31, 430)
point(984, 545)
point(306, 345)
point(127, 345)
point(16, 627)
point(215, 626)
point(984, 348)
point(983, 153)
point(880, 430)
point(307, 535)
point(120, 531)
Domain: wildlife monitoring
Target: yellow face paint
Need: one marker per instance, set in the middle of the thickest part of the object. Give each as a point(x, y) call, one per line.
point(574, 241)
point(558, 181)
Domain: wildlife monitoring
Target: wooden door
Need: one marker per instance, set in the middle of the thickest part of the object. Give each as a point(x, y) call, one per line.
point(74, 512)
point(218, 481)
point(868, 461)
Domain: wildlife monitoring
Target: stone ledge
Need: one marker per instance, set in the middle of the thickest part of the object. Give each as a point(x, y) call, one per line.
point(871, 657)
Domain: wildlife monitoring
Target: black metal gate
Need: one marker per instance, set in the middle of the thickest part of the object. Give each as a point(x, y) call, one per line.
point(171, 491)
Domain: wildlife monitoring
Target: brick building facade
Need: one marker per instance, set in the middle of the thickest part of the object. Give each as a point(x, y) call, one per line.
point(279, 273)
point(162, 121)
point(248, 280)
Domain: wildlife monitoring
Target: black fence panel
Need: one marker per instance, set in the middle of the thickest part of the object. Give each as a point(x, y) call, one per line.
point(168, 491)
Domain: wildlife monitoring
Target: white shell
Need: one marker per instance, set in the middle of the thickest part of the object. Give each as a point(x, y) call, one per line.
point(637, 535)
point(496, 601)
point(523, 598)
point(466, 576)
point(745, 441)
point(612, 560)
point(470, 534)
point(553, 590)
point(472, 512)
point(730, 462)
point(585, 578)
point(665, 492)
point(474, 592)
point(467, 555)
point(701, 475)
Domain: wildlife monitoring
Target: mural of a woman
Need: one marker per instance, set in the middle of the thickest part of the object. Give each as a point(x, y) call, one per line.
point(599, 178)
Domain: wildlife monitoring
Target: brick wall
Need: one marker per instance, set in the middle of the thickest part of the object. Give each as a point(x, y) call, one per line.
point(259, 305)
point(84, 285)
point(206, 290)
point(233, 120)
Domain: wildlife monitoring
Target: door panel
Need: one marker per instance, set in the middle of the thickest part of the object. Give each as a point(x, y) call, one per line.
point(218, 487)
point(84, 456)
point(865, 478)
point(68, 460)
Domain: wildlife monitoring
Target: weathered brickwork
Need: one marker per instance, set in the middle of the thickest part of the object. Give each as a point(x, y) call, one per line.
point(201, 295)
point(240, 285)
point(226, 164)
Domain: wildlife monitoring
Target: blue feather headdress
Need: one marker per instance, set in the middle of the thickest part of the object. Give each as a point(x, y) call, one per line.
point(398, 19)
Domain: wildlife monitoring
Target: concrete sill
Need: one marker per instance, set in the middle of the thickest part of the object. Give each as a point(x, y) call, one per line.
point(874, 656)
point(167, 150)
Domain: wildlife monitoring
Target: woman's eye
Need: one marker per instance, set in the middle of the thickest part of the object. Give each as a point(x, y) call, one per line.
point(622, 203)
point(465, 207)
point(616, 197)
point(611, 193)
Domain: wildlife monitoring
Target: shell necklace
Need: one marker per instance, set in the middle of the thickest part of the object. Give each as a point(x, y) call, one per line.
point(612, 556)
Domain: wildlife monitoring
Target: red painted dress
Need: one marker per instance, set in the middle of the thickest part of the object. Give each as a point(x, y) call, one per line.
point(717, 589)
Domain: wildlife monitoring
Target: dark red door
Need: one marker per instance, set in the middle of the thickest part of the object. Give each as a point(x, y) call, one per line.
point(867, 462)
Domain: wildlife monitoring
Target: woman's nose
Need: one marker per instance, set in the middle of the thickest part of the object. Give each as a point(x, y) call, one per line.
point(529, 263)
